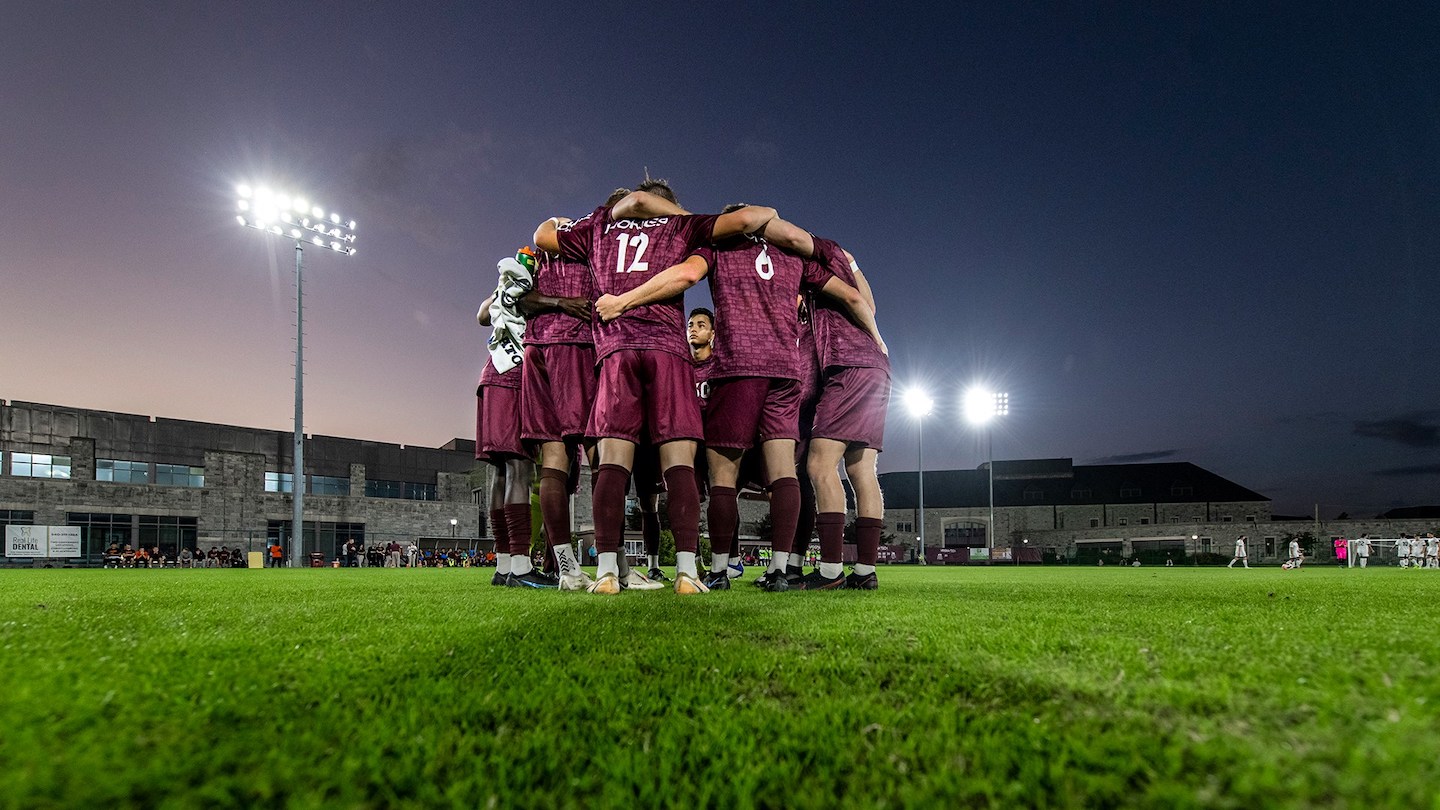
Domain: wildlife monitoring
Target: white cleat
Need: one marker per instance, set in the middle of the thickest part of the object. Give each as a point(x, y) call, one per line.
point(637, 581)
point(577, 581)
point(608, 585)
point(686, 584)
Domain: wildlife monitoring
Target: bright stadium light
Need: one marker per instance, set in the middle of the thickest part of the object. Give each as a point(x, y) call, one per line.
point(981, 406)
point(919, 403)
point(260, 208)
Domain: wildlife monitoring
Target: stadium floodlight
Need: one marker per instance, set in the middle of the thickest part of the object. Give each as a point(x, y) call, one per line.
point(264, 209)
point(919, 403)
point(981, 406)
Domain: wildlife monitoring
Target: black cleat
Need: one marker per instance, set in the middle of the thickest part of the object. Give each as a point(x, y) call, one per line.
point(764, 579)
point(794, 573)
point(816, 581)
point(656, 575)
point(717, 581)
point(862, 582)
point(499, 579)
point(774, 582)
point(531, 579)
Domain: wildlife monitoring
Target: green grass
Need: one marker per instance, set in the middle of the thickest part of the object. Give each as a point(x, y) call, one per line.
point(999, 686)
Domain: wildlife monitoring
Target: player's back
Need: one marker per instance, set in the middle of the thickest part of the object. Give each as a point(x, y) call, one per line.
point(754, 287)
point(563, 278)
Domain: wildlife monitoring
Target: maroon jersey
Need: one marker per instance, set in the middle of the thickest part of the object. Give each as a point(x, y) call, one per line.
point(704, 373)
point(838, 341)
point(489, 376)
point(756, 326)
point(623, 254)
point(561, 278)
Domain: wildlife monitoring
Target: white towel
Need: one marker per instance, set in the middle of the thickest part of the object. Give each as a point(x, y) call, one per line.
point(507, 341)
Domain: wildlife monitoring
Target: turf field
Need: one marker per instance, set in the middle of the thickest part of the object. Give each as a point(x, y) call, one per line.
point(956, 686)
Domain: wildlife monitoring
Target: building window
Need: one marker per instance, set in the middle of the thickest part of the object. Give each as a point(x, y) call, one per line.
point(1124, 521)
point(1205, 544)
point(1249, 518)
point(169, 534)
point(1227, 519)
point(329, 485)
point(16, 517)
point(279, 482)
point(400, 489)
point(1094, 523)
point(1130, 492)
point(179, 475)
point(38, 465)
point(327, 538)
point(1269, 547)
point(1196, 519)
point(1144, 521)
point(1081, 495)
point(1178, 491)
point(98, 531)
point(904, 527)
point(122, 472)
point(1034, 494)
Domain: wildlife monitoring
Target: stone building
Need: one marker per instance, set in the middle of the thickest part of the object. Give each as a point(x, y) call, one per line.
point(171, 483)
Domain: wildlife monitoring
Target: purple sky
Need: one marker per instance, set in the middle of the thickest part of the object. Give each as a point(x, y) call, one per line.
point(1170, 235)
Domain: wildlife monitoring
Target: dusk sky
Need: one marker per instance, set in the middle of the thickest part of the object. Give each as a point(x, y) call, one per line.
point(1207, 235)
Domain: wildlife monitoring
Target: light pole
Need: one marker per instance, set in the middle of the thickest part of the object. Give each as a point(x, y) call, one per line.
point(981, 406)
point(290, 216)
point(453, 524)
point(919, 404)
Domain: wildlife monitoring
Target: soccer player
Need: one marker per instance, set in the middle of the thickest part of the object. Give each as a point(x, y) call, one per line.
point(497, 442)
point(1432, 551)
point(557, 387)
point(753, 376)
point(1296, 558)
point(1362, 550)
point(1241, 555)
point(646, 387)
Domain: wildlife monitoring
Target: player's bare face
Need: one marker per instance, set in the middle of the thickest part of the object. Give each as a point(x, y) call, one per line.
point(700, 331)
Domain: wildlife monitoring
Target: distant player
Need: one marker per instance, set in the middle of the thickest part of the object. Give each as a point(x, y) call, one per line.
point(1242, 555)
point(1296, 557)
point(646, 388)
point(1432, 551)
point(1362, 550)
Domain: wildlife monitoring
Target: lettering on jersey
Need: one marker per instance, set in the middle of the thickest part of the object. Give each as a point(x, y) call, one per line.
point(634, 224)
point(764, 265)
point(570, 226)
point(702, 390)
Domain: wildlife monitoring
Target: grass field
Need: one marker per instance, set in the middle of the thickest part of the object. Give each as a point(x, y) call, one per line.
point(958, 686)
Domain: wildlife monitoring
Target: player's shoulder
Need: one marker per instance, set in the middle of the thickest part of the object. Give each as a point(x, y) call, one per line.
point(599, 214)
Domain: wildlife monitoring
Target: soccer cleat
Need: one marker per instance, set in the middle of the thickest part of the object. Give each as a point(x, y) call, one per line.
point(794, 573)
point(608, 585)
point(858, 582)
point(656, 575)
point(764, 579)
point(637, 581)
point(686, 584)
point(816, 581)
point(530, 579)
point(775, 582)
point(717, 581)
point(736, 570)
point(499, 579)
point(575, 582)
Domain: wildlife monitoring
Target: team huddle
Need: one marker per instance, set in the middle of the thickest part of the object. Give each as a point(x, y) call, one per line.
point(592, 360)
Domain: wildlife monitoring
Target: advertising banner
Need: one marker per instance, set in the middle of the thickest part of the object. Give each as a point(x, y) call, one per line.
point(27, 541)
point(64, 541)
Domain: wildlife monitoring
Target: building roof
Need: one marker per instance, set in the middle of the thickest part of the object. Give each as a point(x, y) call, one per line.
point(1413, 513)
point(1045, 482)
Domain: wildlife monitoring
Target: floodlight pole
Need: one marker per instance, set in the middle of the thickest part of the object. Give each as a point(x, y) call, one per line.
point(920, 467)
point(297, 484)
point(990, 467)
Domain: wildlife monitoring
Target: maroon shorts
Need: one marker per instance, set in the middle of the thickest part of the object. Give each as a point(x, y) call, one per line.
point(556, 389)
point(497, 423)
point(852, 406)
point(646, 397)
point(742, 412)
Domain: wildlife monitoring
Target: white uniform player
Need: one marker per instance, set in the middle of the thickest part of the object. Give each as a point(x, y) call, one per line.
point(1296, 558)
point(1402, 548)
point(1432, 550)
point(1362, 549)
point(1240, 553)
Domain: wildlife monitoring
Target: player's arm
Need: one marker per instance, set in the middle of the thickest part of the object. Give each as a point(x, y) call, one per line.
point(859, 311)
point(483, 315)
point(668, 283)
point(546, 237)
point(534, 303)
point(860, 283)
point(643, 205)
